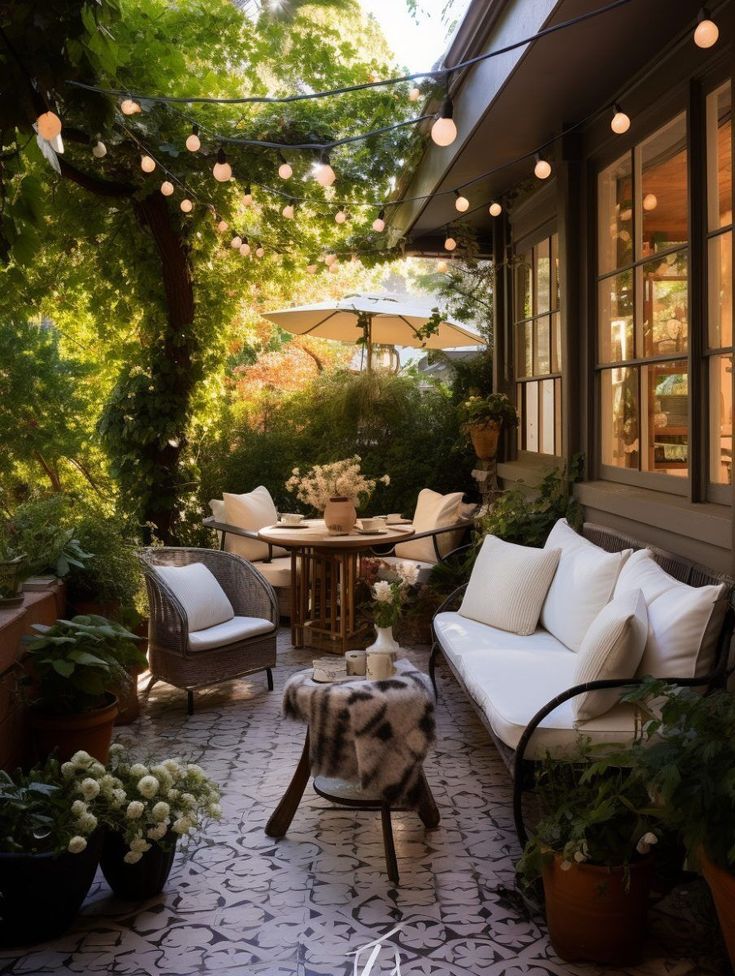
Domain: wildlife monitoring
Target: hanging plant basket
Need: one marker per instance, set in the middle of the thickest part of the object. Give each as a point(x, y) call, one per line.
point(485, 437)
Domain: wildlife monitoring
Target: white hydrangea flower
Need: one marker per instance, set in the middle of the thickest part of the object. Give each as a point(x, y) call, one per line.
point(76, 845)
point(87, 822)
point(135, 810)
point(119, 796)
point(132, 857)
point(566, 865)
point(139, 845)
point(81, 758)
point(139, 770)
point(162, 775)
point(96, 769)
point(580, 857)
point(409, 572)
point(214, 810)
point(68, 769)
point(173, 795)
point(78, 808)
point(90, 788)
point(195, 771)
point(117, 749)
point(148, 786)
point(161, 811)
point(187, 800)
point(158, 832)
point(182, 826)
point(173, 766)
point(382, 591)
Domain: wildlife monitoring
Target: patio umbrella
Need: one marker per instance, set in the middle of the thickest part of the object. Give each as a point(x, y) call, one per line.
point(384, 319)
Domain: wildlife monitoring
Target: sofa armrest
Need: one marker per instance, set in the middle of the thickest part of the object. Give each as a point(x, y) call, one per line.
point(450, 600)
point(226, 529)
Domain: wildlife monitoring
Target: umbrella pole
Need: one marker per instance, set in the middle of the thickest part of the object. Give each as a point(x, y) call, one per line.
point(369, 343)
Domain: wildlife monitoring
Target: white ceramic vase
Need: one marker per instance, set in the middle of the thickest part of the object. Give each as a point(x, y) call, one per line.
point(385, 642)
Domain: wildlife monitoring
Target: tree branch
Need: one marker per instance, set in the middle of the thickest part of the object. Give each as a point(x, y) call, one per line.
point(103, 188)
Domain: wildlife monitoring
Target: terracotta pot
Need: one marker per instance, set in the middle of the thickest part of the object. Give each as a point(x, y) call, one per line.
point(340, 514)
point(597, 914)
point(722, 885)
point(484, 437)
point(128, 705)
point(146, 878)
point(91, 731)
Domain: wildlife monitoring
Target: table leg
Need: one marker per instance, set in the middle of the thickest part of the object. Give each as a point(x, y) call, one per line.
point(426, 806)
point(280, 819)
point(297, 617)
point(391, 862)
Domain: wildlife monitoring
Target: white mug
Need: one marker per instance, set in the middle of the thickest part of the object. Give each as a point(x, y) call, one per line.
point(379, 665)
point(371, 523)
point(292, 518)
point(356, 663)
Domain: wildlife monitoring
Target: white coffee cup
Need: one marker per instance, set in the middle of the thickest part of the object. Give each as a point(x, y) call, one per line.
point(379, 665)
point(393, 518)
point(292, 518)
point(371, 524)
point(356, 662)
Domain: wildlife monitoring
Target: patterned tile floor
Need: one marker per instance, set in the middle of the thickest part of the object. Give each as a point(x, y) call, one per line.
point(241, 904)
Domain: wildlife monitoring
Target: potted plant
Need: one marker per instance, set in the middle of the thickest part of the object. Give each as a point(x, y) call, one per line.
point(49, 847)
point(77, 665)
point(335, 489)
point(591, 849)
point(40, 529)
point(483, 419)
point(687, 753)
point(161, 802)
point(12, 563)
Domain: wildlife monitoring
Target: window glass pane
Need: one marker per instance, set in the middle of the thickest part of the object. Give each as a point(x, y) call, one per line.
point(542, 363)
point(615, 215)
point(719, 157)
point(557, 408)
point(531, 416)
point(554, 271)
point(720, 432)
point(617, 342)
point(620, 435)
point(665, 420)
point(524, 295)
point(662, 191)
point(665, 301)
point(719, 267)
point(548, 417)
point(556, 343)
point(524, 349)
point(542, 261)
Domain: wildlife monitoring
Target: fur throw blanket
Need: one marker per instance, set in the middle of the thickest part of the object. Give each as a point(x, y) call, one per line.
point(376, 733)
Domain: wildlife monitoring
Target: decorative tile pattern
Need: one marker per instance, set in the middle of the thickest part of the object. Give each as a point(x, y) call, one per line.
point(241, 904)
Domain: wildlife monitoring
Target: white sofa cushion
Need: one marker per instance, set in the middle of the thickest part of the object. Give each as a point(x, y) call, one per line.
point(229, 632)
point(424, 569)
point(683, 621)
point(277, 572)
point(433, 511)
point(510, 678)
point(204, 601)
point(584, 582)
point(252, 511)
point(508, 585)
point(612, 648)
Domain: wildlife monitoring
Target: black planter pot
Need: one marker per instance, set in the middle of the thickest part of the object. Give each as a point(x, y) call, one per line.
point(40, 894)
point(136, 882)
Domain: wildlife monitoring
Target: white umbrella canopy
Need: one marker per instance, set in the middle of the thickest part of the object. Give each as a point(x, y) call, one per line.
point(389, 320)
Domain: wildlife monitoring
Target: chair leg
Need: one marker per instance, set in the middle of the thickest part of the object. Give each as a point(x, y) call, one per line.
point(189, 701)
point(432, 667)
point(269, 675)
point(390, 850)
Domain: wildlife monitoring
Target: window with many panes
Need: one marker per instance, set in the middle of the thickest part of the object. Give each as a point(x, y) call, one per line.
point(537, 341)
point(643, 306)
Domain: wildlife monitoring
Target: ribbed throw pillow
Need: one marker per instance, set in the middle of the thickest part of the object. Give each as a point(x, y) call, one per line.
point(203, 599)
point(612, 648)
point(508, 585)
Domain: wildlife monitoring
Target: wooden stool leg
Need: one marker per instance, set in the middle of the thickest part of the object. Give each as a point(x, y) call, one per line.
point(427, 809)
point(390, 850)
point(280, 819)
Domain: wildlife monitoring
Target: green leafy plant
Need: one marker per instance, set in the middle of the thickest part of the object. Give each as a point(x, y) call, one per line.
point(111, 574)
point(40, 529)
point(481, 410)
point(77, 662)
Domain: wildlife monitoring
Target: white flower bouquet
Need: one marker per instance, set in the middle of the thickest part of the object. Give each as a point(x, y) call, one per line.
point(389, 595)
point(341, 479)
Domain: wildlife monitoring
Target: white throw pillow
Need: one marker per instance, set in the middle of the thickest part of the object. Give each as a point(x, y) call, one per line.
point(203, 599)
point(252, 511)
point(583, 584)
point(433, 511)
point(218, 509)
point(612, 648)
point(683, 621)
point(508, 585)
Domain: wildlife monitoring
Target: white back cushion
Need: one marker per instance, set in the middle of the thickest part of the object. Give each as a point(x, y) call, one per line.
point(583, 584)
point(203, 599)
point(433, 511)
point(252, 511)
point(612, 648)
point(683, 621)
point(508, 585)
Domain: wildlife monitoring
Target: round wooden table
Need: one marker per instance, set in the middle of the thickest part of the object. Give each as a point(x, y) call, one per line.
point(324, 572)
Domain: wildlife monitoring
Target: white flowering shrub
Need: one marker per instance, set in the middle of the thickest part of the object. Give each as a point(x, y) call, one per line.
point(341, 479)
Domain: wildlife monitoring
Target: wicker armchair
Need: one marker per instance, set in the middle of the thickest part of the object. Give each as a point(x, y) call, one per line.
point(170, 655)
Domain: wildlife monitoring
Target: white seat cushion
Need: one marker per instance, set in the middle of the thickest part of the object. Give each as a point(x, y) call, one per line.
point(204, 601)
point(229, 632)
point(433, 511)
point(584, 582)
point(612, 648)
point(512, 677)
point(508, 585)
point(252, 511)
point(683, 621)
point(424, 569)
point(277, 572)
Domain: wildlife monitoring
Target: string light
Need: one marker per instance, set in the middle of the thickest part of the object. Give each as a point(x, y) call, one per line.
point(288, 211)
point(323, 172)
point(247, 198)
point(330, 259)
point(284, 170)
point(706, 33)
point(379, 223)
point(48, 125)
point(450, 244)
point(542, 169)
point(259, 251)
point(167, 188)
point(414, 95)
point(222, 170)
point(620, 122)
point(222, 226)
point(340, 217)
point(462, 204)
point(311, 269)
point(128, 106)
point(495, 209)
point(193, 142)
point(147, 164)
point(444, 131)
point(236, 242)
point(245, 248)
point(99, 150)
point(186, 205)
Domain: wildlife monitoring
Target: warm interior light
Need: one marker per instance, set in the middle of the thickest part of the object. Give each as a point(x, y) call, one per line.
point(288, 212)
point(462, 204)
point(147, 164)
point(379, 223)
point(167, 188)
point(495, 209)
point(99, 150)
point(706, 33)
point(222, 226)
point(620, 122)
point(236, 242)
point(542, 169)
point(650, 201)
point(128, 106)
point(450, 244)
point(340, 216)
point(222, 170)
point(285, 171)
point(323, 172)
point(49, 125)
point(193, 142)
point(186, 205)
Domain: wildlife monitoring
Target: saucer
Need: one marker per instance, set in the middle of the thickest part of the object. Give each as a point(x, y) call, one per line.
point(287, 525)
point(372, 531)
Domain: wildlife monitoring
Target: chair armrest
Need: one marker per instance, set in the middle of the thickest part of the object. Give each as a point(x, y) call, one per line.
point(433, 533)
point(167, 622)
point(226, 529)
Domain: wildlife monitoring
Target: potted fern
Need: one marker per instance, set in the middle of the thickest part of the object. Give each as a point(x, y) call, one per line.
point(483, 418)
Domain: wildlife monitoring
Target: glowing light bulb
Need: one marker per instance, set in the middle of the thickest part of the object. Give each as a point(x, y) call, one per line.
point(244, 249)
point(340, 217)
point(167, 188)
point(49, 125)
point(147, 164)
point(99, 150)
point(222, 170)
point(285, 171)
point(620, 122)
point(330, 259)
point(461, 204)
point(323, 172)
point(193, 142)
point(450, 244)
point(259, 251)
point(444, 131)
point(128, 106)
point(379, 223)
point(495, 209)
point(442, 266)
point(414, 95)
point(288, 212)
point(650, 201)
point(311, 268)
point(222, 226)
point(186, 205)
point(706, 33)
point(542, 169)
point(236, 242)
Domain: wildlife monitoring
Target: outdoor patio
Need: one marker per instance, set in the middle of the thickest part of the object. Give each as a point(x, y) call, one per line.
point(238, 902)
